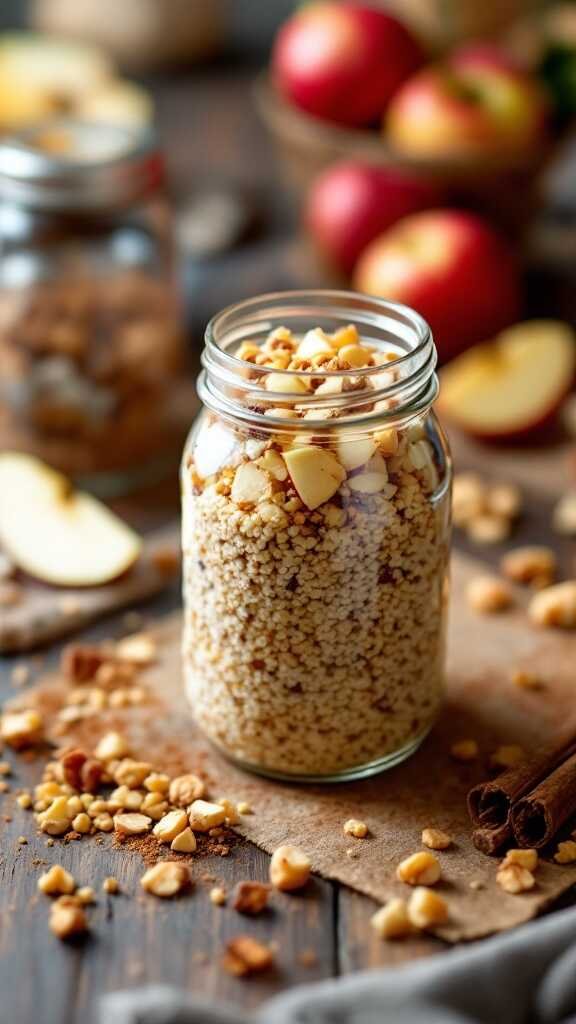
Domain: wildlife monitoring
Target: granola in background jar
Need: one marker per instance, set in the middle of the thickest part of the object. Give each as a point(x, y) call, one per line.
point(91, 340)
point(315, 489)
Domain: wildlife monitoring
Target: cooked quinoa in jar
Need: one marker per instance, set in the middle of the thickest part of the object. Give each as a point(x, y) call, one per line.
point(315, 490)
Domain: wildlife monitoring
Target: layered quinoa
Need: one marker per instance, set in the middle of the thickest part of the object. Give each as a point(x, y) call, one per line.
point(315, 576)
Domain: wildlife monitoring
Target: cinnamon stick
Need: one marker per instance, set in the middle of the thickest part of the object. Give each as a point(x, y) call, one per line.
point(490, 803)
point(538, 816)
point(491, 840)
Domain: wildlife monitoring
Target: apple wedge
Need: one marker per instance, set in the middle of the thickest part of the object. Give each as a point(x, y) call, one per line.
point(56, 534)
point(513, 386)
point(315, 473)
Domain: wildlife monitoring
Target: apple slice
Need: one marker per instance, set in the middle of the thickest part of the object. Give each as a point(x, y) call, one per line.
point(511, 387)
point(56, 534)
point(314, 343)
point(316, 474)
point(355, 453)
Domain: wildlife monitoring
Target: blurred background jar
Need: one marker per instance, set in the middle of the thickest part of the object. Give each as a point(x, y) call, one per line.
point(91, 341)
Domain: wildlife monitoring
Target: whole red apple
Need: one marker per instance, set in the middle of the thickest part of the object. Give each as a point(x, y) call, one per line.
point(353, 202)
point(343, 61)
point(450, 266)
point(475, 105)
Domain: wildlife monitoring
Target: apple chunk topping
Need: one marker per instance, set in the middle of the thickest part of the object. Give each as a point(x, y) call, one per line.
point(355, 453)
point(251, 485)
point(315, 473)
point(56, 534)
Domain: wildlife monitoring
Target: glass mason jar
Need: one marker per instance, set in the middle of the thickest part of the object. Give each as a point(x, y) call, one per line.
point(316, 531)
point(91, 340)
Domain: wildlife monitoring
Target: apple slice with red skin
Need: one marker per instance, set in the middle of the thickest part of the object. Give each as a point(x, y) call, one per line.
point(512, 387)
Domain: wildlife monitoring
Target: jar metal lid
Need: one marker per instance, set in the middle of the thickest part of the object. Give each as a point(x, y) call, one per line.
point(66, 164)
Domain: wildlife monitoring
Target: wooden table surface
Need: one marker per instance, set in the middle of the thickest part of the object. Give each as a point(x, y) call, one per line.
point(208, 126)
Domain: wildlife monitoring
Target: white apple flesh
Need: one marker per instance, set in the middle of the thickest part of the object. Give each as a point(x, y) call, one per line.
point(58, 535)
point(512, 386)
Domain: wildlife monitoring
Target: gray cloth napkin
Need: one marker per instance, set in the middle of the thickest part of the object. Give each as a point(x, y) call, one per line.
point(524, 977)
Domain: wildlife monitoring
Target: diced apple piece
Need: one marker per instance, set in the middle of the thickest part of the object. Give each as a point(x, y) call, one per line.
point(215, 446)
point(251, 485)
point(355, 355)
point(279, 413)
point(387, 440)
point(330, 386)
point(274, 464)
point(283, 383)
point(56, 534)
point(315, 473)
point(377, 465)
point(355, 453)
point(314, 343)
point(368, 483)
point(512, 386)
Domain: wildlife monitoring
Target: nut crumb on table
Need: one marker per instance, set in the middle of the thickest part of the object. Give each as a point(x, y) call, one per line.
point(436, 839)
point(488, 594)
point(251, 897)
point(421, 868)
point(356, 828)
point(289, 868)
point(464, 750)
point(245, 956)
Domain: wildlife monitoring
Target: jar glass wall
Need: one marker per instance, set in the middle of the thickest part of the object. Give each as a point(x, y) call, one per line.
point(91, 338)
point(316, 537)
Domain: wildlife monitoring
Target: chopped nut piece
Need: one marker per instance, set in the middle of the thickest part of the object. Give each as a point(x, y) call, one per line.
point(420, 868)
point(529, 565)
point(67, 920)
point(507, 755)
point(56, 881)
point(488, 594)
point(165, 879)
point(244, 808)
point(86, 894)
point(247, 956)
point(355, 828)
point(21, 729)
point(524, 858)
point(566, 852)
point(316, 474)
point(132, 824)
point(564, 516)
point(514, 879)
point(526, 680)
point(184, 789)
point(170, 826)
point(476, 885)
point(157, 782)
point(464, 750)
point(22, 840)
point(24, 800)
point(131, 773)
point(111, 746)
point(231, 810)
point(218, 896)
point(392, 921)
point(5, 768)
point(436, 839)
point(138, 649)
point(80, 662)
point(555, 606)
point(250, 897)
point(82, 823)
point(111, 886)
point(289, 868)
point(488, 529)
point(184, 842)
point(427, 909)
point(468, 498)
point(504, 500)
point(204, 816)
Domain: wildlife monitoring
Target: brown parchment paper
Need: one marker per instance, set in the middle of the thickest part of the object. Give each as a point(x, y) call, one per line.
point(47, 613)
point(428, 790)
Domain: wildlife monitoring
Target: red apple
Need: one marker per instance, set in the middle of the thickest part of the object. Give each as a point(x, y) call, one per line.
point(353, 202)
point(450, 266)
point(343, 61)
point(512, 387)
point(477, 104)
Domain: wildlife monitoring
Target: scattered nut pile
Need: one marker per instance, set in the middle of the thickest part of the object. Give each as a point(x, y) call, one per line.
point(486, 511)
point(314, 570)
